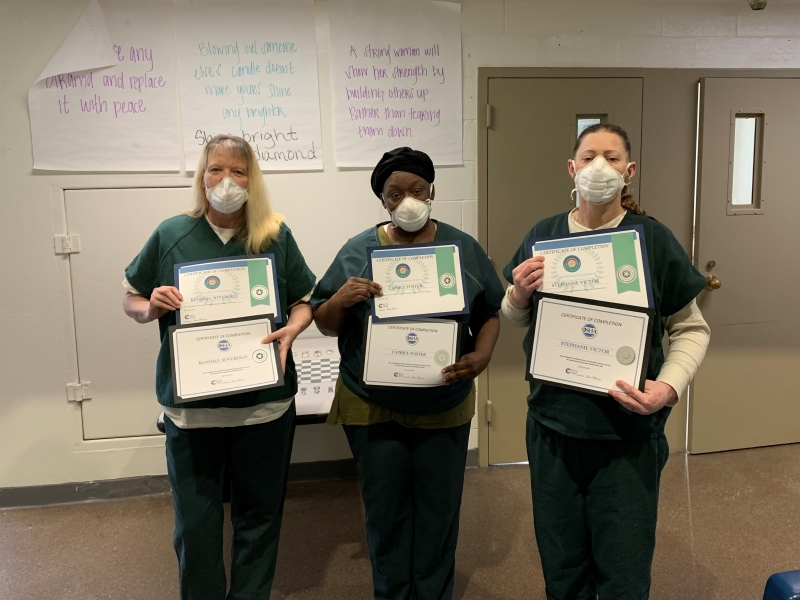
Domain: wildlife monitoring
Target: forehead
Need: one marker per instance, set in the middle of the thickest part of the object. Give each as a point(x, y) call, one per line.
point(227, 155)
point(404, 179)
point(601, 142)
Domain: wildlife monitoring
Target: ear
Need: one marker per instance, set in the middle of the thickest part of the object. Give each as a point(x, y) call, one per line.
point(433, 192)
point(630, 171)
point(571, 168)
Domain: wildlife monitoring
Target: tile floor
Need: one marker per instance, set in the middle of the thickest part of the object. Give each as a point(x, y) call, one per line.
point(727, 521)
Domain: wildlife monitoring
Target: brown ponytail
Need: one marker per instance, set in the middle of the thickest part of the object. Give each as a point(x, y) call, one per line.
point(628, 202)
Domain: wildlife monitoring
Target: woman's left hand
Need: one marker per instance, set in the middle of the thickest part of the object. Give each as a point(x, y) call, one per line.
point(285, 336)
point(656, 395)
point(469, 367)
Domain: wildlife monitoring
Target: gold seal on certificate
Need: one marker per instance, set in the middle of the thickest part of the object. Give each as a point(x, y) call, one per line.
point(228, 288)
point(418, 280)
point(589, 346)
point(223, 358)
point(408, 353)
point(608, 266)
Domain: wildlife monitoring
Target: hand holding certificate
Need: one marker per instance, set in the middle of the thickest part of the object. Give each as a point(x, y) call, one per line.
point(228, 288)
point(609, 266)
point(222, 358)
point(418, 280)
point(409, 353)
point(588, 345)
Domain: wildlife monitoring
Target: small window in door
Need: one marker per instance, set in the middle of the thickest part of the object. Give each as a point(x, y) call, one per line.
point(745, 164)
point(584, 121)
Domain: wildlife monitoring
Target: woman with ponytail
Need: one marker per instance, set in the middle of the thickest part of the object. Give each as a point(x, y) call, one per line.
point(596, 461)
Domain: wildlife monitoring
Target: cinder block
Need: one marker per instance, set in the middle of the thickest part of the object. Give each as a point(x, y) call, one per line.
point(580, 50)
point(699, 20)
point(449, 212)
point(455, 183)
point(748, 53)
point(544, 17)
point(469, 218)
point(470, 140)
point(484, 17)
point(497, 51)
point(623, 19)
point(778, 21)
point(658, 52)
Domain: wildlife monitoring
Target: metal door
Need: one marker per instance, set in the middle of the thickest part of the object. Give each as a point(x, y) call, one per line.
point(534, 123)
point(745, 394)
point(115, 354)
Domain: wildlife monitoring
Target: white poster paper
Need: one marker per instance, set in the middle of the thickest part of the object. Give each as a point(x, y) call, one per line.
point(250, 69)
point(107, 99)
point(396, 72)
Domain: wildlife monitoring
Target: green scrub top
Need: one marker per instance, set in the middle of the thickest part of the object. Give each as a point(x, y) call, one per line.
point(675, 284)
point(183, 239)
point(349, 409)
point(484, 294)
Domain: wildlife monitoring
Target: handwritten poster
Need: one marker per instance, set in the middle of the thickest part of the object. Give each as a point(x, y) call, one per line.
point(250, 69)
point(396, 72)
point(107, 99)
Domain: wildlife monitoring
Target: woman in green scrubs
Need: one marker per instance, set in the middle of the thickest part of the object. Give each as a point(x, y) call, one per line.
point(410, 446)
point(251, 432)
point(595, 461)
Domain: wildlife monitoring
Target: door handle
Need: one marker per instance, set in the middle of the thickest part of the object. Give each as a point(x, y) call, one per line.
point(712, 282)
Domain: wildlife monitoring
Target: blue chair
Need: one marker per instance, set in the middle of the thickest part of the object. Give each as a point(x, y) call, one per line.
point(783, 586)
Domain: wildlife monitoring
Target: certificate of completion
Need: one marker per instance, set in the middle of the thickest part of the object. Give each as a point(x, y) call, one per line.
point(418, 280)
point(589, 346)
point(609, 266)
point(223, 358)
point(228, 288)
point(409, 353)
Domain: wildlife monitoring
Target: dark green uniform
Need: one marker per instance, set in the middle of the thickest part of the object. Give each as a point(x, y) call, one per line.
point(256, 455)
point(595, 466)
point(410, 447)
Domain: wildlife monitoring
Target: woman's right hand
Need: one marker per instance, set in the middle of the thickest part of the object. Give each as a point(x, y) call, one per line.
point(357, 290)
point(527, 278)
point(163, 300)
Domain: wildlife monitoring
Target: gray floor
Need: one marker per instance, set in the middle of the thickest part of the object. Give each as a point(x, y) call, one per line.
point(727, 521)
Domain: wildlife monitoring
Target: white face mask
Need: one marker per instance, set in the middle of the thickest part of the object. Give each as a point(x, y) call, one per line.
point(226, 197)
point(411, 215)
point(598, 182)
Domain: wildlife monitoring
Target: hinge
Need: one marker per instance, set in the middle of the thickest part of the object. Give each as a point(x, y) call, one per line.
point(78, 392)
point(488, 412)
point(488, 115)
point(67, 244)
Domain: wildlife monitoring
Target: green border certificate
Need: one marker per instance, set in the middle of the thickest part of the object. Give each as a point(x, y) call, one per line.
point(223, 358)
point(418, 280)
point(409, 354)
point(228, 288)
point(589, 346)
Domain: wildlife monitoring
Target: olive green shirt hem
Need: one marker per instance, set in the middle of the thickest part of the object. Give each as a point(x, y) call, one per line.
point(349, 409)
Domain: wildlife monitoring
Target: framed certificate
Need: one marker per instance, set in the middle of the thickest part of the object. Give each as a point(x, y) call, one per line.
point(418, 280)
point(228, 288)
point(609, 265)
point(412, 354)
point(588, 345)
point(221, 358)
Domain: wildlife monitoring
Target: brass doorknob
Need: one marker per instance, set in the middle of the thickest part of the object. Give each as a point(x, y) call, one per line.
point(712, 283)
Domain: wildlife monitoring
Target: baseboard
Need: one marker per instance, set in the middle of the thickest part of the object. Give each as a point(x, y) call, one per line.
point(131, 487)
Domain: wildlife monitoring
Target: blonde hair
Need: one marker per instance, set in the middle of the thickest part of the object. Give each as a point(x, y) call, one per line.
point(261, 224)
point(627, 198)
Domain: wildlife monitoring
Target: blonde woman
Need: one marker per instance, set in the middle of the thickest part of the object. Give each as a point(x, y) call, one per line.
point(253, 431)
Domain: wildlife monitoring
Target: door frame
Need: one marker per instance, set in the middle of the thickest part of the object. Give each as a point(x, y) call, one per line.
point(680, 218)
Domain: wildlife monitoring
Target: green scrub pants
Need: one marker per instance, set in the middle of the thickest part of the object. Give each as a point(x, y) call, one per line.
point(595, 506)
point(411, 482)
point(257, 457)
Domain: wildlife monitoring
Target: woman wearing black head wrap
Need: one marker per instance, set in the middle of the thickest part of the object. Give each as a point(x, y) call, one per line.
point(410, 445)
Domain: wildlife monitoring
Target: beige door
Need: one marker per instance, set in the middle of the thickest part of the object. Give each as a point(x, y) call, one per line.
point(534, 124)
point(746, 392)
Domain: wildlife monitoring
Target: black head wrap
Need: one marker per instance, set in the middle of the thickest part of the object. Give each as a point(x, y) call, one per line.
point(401, 159)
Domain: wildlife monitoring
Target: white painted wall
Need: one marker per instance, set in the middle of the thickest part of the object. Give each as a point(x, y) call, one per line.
point(40, 433)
